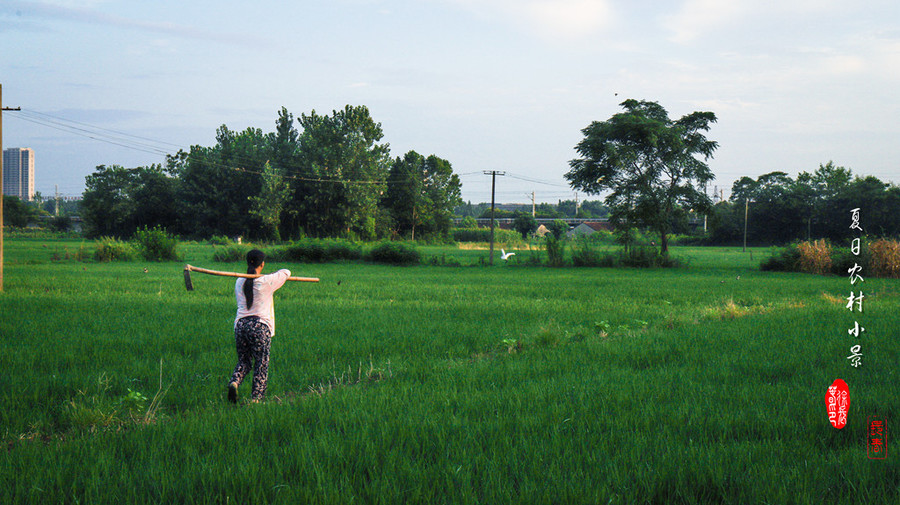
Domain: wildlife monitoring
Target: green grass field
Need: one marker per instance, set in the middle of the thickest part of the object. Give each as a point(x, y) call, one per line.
point(440, 384)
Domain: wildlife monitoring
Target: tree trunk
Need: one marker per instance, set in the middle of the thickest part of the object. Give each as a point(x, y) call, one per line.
point(663, 243)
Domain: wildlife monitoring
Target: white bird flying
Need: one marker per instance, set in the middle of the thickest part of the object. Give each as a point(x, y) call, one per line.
point(505, 255)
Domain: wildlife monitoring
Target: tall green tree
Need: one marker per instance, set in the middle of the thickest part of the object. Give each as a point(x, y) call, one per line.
point(342, 170)
point(16, 213)
point(284, 142)
point(777, 207)
point(525, 224)
point(154, 192)
point(650, 164)
point(405, 197)
point(217, 184)
point(421, 195)
point(879, 204)
point(267, 206)
point(818, 190)
point(117, 200)
point(107, 208)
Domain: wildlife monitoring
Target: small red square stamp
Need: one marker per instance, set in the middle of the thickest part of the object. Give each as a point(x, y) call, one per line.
point(837, 403)
point(876, 439)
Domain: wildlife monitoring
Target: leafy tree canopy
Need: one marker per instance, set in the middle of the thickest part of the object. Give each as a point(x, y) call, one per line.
point(650, 164)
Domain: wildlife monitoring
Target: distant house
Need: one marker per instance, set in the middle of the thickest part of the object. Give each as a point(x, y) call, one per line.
point(589, 228)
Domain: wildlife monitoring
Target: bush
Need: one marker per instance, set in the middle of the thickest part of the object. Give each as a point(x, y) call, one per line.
point(231, 254)
point(320, 251)
point(782, 260)
point(842, 260)
point(586, 257)
point(155, 244)
point(585, 252)
point(880, 259)
point(484, 235)
point(556, 250)
point(689, 240)
point(884, 258)
point(61, 223)
point(220, 240)
point(558, 228)
point(110, 249)
point(394, 253)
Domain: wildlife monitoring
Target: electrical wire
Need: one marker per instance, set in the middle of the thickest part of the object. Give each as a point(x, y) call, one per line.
point(88, 127)
point(87, 134)
point(145, 144)
point(162, 148)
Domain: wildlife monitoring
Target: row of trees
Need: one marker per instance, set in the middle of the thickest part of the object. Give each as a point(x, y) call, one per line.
point(655, 172)
point(331, 177)
point(780, 209)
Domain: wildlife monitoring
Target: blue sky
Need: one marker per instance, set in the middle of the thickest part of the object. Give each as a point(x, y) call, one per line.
point(488, 85)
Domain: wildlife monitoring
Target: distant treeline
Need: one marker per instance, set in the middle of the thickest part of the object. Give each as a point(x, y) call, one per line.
point(330, 178)
point(813, 206)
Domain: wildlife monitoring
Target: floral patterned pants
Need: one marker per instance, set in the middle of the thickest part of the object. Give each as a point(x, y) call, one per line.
point(252, 339)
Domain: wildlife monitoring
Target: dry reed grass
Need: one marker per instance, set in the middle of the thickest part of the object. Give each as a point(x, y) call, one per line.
point(815, 257)
point(884, 258)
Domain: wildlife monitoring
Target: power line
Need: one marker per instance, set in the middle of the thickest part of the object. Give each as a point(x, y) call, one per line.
point(158, 147)
point(116, 132)
point(97, 133)
point(537, 181)
point(92, 136)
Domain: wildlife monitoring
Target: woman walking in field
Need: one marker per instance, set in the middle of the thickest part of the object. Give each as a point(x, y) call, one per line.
point(254, 325)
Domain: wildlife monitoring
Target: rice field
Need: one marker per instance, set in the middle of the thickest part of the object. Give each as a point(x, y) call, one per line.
point(444, 384)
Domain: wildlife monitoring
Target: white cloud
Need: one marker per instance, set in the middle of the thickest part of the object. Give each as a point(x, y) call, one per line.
point(550, 18)
point(90, 13)
point(569, 18)
point(698, 16)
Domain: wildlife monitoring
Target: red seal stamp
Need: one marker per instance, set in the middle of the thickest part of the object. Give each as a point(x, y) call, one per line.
point(837, 403)
point(877, 440)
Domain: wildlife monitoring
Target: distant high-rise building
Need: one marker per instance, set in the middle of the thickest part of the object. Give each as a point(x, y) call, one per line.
point(18, 173)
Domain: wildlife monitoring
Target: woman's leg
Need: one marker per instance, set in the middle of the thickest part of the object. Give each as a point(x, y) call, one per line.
point(243, 342)
point(261, 346)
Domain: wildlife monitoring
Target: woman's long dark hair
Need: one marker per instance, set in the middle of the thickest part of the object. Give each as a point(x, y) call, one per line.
point(255, 258)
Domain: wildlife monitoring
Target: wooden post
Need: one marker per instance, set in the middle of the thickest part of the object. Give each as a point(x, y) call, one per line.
point(1, 183)
point(1, 187)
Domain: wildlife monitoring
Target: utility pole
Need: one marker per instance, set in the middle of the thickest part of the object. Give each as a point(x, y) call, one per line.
point(2, 108)
point(57, 201)
point(1, 187)
point(493, 174)
point(532, 204)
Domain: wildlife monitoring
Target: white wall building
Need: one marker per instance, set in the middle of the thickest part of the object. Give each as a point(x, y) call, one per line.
point(18, 173)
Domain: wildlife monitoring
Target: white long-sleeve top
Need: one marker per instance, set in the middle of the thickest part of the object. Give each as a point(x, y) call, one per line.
point(263, 305)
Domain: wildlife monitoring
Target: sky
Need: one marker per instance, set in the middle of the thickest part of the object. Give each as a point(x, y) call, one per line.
point(502, 85)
